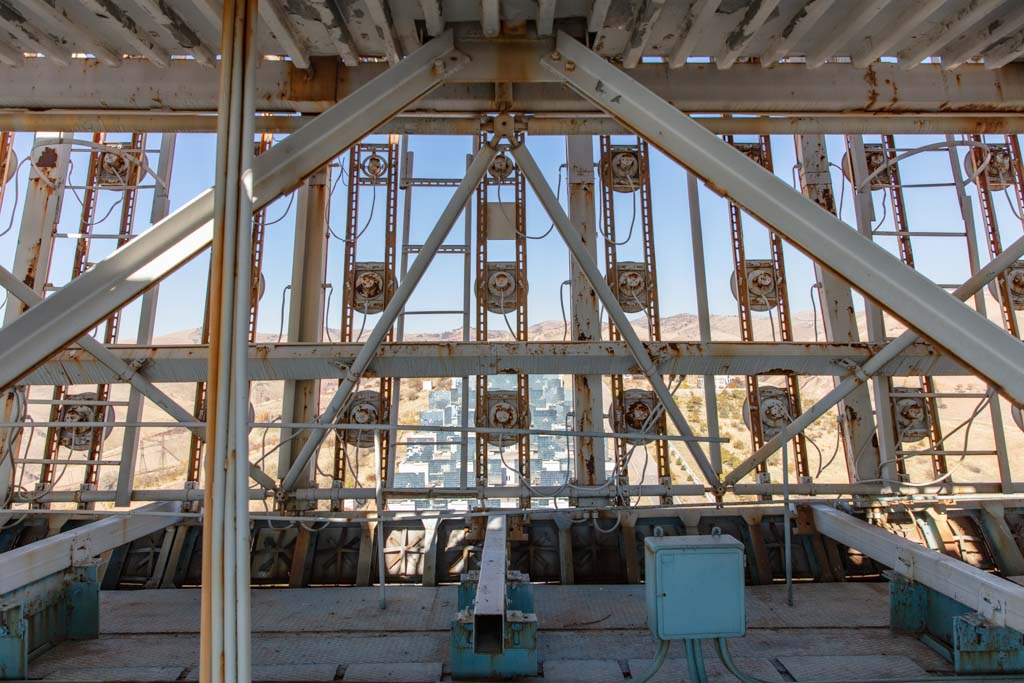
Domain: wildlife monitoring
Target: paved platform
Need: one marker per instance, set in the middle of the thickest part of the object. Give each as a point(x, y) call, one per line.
point(588, 634)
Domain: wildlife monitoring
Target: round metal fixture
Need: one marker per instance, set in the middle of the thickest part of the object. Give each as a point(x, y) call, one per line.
point(501, 167)
point(1014, 283)
point(630, 285)
point(875, 157)
point(502, 412)
point(374, 166)
point(773, 403)
point(999, 172)
point(1018, 418)
point(371, 288)
point(500, 287)
point(632, 415)
point(762, 285)
point(363, 408)
point(81, 438)
point(913, 416)
point(114, 168)
point(621, 170)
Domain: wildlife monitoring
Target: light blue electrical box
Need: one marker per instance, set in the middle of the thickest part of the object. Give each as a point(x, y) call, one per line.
point(694, 587)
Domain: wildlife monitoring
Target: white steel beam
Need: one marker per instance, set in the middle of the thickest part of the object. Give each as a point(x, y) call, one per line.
point(588, 265)
point(740, 37)
point(943, 33)
point(433, 15)
point(389, 315)
point(276, 19)
point(1005, 51)
point(381, 17)
point(862, 14)
point(119, 23)
point(546, 17)
point(333, 21)
point(877, 44)
point(800, 25)
point(283, 362)
point(38, 560)
point(17, 25)
point(10, 56)
point(974, 42)
point(154, 254)
point(598, 13)
point(697, 16)
point(645, 18)
point(490, 17)
point(997, 600)
point(994, 354)
point(56, 18)
point(163, 13)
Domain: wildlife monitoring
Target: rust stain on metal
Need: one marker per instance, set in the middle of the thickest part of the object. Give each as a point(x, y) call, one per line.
point(47, 158)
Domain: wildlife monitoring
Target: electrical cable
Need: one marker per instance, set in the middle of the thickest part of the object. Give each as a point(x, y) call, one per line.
point(17, 196)
point(561, 303)
point(280, 331)
point(291, 200)
point(327, 312)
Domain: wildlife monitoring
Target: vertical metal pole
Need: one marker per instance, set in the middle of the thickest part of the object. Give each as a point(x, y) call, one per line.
point(865, 211)
point(786, 521)
point(224, 636)
point(839, 316)
point(586, 321)
point(970, 229)
point(467, 284)
point(703, 314)
point(42, 202)
point(301, 401)
point(147, 320)
point(379, 494)
point(404, 183)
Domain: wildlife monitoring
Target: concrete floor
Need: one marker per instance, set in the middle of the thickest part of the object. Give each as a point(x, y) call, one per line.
point(588, 634)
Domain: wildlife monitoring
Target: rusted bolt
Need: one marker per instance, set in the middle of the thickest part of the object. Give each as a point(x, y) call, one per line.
point(438, 67)
point(556, 56)
point(570, 66)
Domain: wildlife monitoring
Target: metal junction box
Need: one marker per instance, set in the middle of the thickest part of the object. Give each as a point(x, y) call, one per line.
point(694, 587)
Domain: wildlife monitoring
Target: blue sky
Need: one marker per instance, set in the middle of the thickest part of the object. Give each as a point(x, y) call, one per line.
point(932, 209)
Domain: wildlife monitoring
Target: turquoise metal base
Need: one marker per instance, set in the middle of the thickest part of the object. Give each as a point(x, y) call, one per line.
point(519, 654)
point(64, 606)
point(955, 631)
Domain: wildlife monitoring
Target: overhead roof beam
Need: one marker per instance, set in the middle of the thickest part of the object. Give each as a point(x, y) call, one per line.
point(490, 17)
point(163, 13)
point(598, 14)
point(19, 26)
point(433, 16)
point(863, 12)
point(739, 38)
point(546, 17)
point(337, 31)
point(10, 56)
point(641, 27)
point(276, 20)
point(119, 23)
point(973, 43)
point(1004, 51)
point(945, 31)
point(908, 295)
point(877, 44)
point(56, 18)
point(799, 25)
point(381, 17)
point(697, 16)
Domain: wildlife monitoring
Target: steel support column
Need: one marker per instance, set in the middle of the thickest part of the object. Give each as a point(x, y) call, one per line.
point(301, 401)
point(839, 317)
point(156, 253)
point(611, 304)
point(426, 254)
point(583, 309)
point(224, 634)
point(992, 352)
point(147, 320)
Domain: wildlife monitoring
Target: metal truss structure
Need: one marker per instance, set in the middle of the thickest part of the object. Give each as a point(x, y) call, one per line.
point(717, 92)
